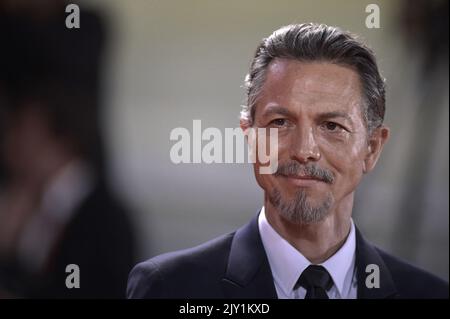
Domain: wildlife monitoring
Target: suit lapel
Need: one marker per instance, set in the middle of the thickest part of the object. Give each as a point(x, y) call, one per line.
point(366, 254)
point(248, 273)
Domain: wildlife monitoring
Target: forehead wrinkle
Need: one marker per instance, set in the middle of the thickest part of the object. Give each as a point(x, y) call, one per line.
point(309, 84)
point(320, 86)
point(327, 78)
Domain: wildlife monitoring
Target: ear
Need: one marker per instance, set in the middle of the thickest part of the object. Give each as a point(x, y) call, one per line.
point(244, 124)
point(374, 147)
point(250, 137)
point(245, 127)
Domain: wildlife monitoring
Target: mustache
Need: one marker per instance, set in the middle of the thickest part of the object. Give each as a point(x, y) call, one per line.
point(307, 170)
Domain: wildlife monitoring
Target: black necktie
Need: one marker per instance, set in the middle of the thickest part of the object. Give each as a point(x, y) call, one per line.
point(316, 280)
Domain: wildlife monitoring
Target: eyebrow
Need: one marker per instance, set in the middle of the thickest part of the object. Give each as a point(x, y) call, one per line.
point(335, 114)
point(275, 109)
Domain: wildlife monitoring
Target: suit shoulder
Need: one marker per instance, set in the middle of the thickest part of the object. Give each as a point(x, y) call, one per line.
point(161, 276)
point(412, 281)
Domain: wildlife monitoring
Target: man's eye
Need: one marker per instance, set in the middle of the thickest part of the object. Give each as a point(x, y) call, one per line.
point(332, 126)
point(278, 122)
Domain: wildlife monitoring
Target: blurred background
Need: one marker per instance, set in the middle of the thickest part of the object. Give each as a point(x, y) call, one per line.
point(86, 114)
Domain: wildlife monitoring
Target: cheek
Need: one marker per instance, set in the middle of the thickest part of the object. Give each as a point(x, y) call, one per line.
point(268, 181)
point(346, 159)
point(256, 147)
point(265, 181)
point(351, 172)
point(348, 172)
point(343, 151)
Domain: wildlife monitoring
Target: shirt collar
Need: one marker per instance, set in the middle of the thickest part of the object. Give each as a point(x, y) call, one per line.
point(287, 263)
point(342, 264)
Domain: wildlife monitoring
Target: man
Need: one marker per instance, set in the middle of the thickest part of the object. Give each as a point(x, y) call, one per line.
point(56, 205)
point(56, 208)
point(322, 90)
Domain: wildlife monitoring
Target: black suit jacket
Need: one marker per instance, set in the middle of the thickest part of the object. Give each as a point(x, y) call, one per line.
point(236, 266)
point(99, 239)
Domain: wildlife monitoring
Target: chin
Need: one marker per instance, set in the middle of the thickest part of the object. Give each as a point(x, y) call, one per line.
point(300, 209)
point(302, 218)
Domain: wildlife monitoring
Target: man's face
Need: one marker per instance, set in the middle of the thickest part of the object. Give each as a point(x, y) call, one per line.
point(323, 146)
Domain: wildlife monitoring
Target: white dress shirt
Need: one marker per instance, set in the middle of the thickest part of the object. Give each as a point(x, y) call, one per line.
point(62, 196)
point(287, 264)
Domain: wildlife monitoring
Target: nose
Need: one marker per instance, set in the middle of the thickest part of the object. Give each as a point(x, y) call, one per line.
point(304, 147)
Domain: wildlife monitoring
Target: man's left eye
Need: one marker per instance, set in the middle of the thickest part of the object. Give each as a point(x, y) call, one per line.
point(279, 122)
point(332, 126)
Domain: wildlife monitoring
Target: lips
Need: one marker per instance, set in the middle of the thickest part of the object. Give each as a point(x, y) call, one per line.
point(302, 181)
point(304, 177)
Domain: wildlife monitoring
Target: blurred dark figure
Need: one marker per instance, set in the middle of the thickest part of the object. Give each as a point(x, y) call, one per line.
point(425, 27)
point(55, 206)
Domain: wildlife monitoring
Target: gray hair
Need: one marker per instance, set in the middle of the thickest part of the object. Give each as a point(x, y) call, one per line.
point(318, 42)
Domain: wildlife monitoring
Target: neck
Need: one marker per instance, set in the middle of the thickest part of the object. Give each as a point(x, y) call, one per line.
point(317, 241)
